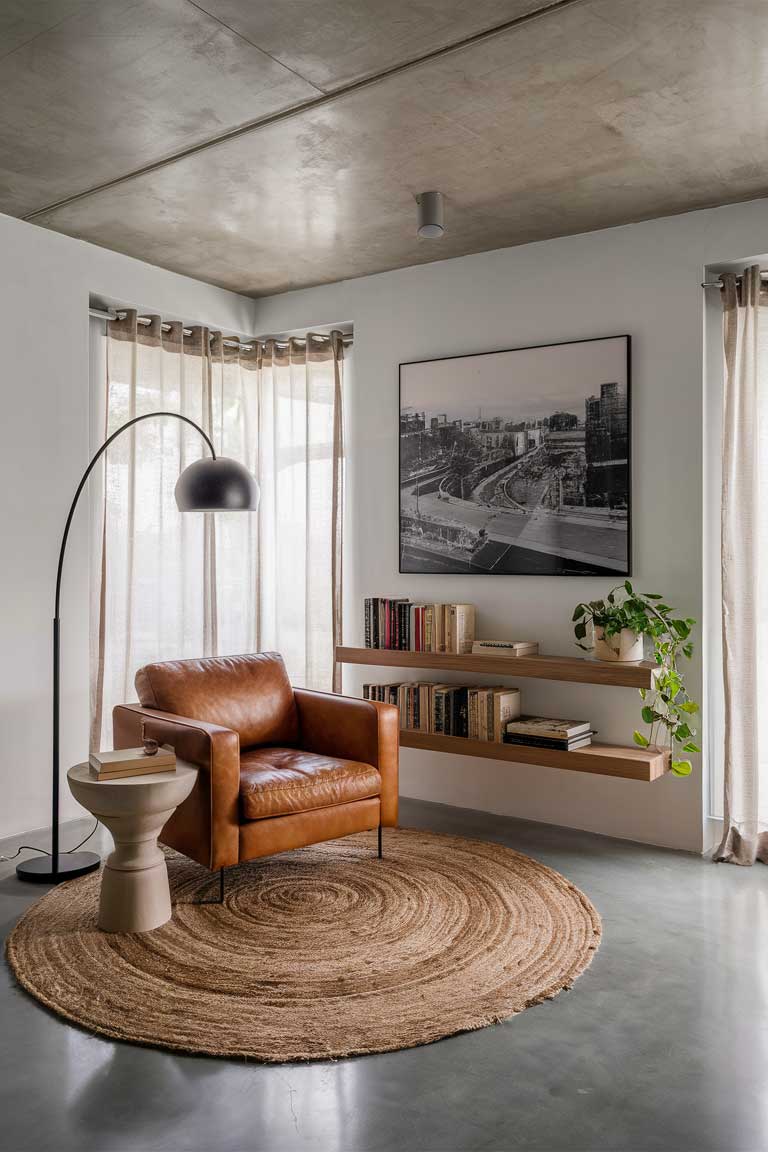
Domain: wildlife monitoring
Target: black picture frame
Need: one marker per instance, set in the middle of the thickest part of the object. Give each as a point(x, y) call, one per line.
point(591, 538)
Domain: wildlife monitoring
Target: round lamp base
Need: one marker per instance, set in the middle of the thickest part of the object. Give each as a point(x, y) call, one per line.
point(70, 864)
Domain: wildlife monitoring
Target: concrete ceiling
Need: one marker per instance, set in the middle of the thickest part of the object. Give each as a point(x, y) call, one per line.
point(596, 113)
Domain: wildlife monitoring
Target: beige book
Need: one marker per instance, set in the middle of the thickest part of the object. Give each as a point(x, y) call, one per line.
point(461, 628)
point(425, 708)
point(131, 762)
point(510, 648)
point(482, 713)
point(506, 707)
point(439, 627)
point(429, 625)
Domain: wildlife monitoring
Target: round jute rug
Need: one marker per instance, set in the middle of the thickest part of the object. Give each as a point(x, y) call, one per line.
point(317, 954)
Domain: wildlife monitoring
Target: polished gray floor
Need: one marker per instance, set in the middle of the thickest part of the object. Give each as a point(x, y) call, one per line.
point(661, 1045)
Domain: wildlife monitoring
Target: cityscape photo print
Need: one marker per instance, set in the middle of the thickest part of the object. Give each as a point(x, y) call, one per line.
point(517, 462)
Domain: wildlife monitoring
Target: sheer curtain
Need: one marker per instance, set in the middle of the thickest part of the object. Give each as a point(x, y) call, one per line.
point(173, 586)
point(744, 539)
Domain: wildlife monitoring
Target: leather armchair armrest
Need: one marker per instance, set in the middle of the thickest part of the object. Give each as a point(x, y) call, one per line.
point(352, 729)
point(206, 826)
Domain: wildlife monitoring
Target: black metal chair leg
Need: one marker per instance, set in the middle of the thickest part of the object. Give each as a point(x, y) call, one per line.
point(220, 899)
point(381, 850)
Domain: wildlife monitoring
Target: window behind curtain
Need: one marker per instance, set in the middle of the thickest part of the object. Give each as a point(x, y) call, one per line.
point(744, 566)
point(175, 586)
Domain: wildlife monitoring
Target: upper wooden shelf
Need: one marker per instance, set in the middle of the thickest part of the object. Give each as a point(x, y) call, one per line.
point(571, 668)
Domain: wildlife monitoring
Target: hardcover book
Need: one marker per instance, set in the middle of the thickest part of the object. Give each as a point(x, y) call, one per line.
point(547, 727)
point(506, 707)
point(546, 742)
point(131, 762)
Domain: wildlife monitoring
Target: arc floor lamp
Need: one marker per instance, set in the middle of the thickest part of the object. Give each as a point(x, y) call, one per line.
point(208, 485)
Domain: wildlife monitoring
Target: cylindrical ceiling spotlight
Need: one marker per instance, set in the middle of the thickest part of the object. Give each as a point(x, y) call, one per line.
point(431, 216)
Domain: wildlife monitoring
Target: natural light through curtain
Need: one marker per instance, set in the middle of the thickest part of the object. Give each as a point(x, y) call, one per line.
point(744, 545)
point(176, 586)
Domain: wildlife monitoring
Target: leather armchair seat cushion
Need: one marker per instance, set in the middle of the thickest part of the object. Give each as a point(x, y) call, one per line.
point(251, 695)
point(281, 781)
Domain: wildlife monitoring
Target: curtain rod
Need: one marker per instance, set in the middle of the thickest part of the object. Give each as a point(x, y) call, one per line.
point(113, 314)
point(718, 283)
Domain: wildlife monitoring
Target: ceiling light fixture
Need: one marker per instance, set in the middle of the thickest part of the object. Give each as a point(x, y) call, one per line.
point(431, 216)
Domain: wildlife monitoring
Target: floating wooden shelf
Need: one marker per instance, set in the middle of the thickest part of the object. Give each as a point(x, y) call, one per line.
point(540, 667)
point(604, 759)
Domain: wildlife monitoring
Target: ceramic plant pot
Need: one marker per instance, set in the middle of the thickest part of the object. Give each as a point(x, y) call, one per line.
point(626, 646)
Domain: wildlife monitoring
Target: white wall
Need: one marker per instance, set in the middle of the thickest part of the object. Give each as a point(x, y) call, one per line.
point(45, 281)
point(643, 279)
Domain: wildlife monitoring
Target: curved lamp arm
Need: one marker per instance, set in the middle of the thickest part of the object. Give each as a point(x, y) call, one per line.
point(62, 866)
point(89, 469)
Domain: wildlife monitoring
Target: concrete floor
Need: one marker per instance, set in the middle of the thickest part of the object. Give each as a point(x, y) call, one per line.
point(661, 1045)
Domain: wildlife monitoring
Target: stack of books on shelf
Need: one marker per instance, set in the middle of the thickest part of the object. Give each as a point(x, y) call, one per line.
point(546, 732)
point(131, 762)
point(394, 623)
point(469, 711)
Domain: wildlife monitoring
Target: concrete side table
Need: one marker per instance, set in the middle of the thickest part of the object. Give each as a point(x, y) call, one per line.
point(135, 896)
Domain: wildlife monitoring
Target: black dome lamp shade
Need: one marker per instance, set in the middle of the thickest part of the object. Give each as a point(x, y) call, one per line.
point(208, 485)
point(217, 485)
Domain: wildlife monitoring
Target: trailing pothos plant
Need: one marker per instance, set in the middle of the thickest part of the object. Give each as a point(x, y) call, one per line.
point(667, 708)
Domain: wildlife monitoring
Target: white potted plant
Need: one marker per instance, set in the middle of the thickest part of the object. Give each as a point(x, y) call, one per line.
point(619, 624)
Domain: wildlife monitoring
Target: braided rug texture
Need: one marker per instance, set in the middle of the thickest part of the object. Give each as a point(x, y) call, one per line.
point(317, 954)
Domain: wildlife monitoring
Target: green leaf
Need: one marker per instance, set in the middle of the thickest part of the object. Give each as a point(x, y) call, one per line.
point(580, 630)
point(579, 611)
point(643, 693)
point(639, 739)
point(628, 588)
point(648, 715)
point(651, 595)
point(682, 732)
point(689, 706)
point(682, 767)
point(691, 746)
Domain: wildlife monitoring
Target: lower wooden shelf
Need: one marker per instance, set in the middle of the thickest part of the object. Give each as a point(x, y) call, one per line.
point(604, 759)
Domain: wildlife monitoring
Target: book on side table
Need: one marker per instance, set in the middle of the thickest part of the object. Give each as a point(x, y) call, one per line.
point(131, 762)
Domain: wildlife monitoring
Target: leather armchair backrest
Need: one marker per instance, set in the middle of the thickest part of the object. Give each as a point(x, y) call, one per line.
point(250, 694)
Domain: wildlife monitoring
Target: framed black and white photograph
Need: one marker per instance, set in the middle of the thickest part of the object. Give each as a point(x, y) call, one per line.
point(518, 462)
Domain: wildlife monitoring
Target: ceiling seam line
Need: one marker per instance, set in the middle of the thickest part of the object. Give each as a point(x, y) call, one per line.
point(310, 105)
point(253, 44)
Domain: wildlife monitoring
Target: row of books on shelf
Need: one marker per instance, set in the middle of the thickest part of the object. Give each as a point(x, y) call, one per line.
point(477, 713)
point(400, 624)
point(410, 627)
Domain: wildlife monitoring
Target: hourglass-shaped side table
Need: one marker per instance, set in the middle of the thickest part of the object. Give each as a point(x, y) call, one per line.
point(135, 896)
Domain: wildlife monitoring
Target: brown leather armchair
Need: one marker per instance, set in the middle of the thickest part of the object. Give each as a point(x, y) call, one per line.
point(280, 767)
